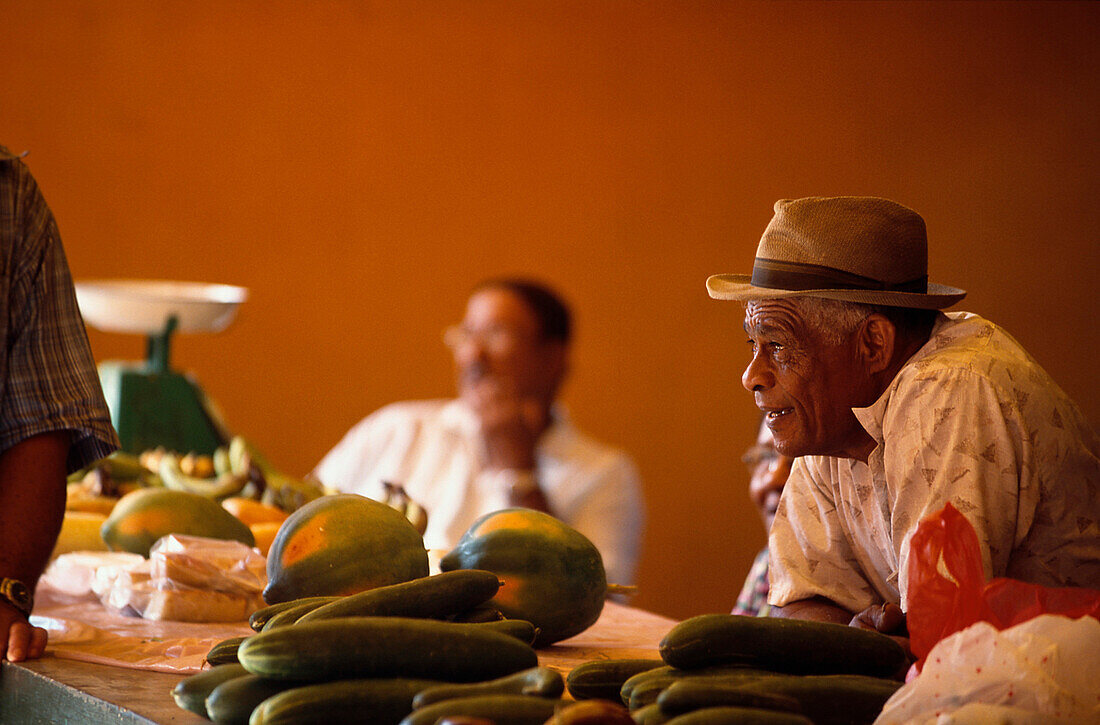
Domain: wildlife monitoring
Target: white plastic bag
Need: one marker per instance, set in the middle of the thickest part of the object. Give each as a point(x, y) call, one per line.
point(1041, 671)
point(74, 573)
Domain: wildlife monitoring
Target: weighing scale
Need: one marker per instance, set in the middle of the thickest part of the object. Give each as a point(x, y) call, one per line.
point(152, 405)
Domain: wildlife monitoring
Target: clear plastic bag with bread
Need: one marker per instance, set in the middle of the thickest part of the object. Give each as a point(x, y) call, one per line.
point(198, 579)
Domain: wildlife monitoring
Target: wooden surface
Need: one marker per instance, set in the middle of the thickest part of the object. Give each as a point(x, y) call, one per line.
point(620, 632)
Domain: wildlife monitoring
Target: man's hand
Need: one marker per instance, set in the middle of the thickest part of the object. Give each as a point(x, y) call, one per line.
point(510, 430)
point(22, 640)
point(888, 619)
point(510, 424)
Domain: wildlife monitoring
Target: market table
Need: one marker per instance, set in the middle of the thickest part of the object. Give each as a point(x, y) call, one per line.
point(57, 689)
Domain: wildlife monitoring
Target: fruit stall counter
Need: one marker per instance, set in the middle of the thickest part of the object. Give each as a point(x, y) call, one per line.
point(61, 690)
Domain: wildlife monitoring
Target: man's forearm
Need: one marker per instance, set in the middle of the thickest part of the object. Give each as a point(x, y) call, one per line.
point(817, 608)
point(32, 504)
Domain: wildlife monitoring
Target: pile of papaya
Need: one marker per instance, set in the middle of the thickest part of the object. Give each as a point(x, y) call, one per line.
point(726, 668)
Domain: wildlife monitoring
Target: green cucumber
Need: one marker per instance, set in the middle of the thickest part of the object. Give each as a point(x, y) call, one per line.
point(521, 629)
point(795, 646)
point(660, 677)
point(537, 681)
point(690, 694)
point(738, 716)
point(431, 597)
point(232, 702)
point(603, 679)
point(382, 701)
point(354, 647)
point(636, 679)
point(646, 693)
point(485, 612)
point(649, 715)
point(831, 699)
point(260, 616)
point(190, 692)
point(501, 709)
point(290, 615)
point(224, 652)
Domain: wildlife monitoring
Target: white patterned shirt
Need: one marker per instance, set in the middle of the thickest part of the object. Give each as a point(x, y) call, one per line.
point(433, 449)
point(971, 419)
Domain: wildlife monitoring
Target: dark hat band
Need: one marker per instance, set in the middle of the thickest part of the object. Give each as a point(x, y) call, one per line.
point(777, 274)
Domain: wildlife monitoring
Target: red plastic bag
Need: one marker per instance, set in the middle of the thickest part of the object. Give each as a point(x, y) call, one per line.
point(941, 605)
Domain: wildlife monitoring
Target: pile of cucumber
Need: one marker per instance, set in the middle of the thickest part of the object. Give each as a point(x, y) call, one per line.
point(407, 653)
point(724, 668)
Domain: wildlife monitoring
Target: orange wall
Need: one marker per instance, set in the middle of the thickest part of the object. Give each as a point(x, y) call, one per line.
point(358, 165)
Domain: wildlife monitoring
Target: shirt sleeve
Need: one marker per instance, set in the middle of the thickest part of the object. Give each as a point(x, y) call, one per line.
point(51, 383)
point(350, 463)
point(810, 550)
point(612, 516)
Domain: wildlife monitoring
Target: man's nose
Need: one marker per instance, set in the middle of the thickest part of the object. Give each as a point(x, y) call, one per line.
point(756, 375)
point(470, 349)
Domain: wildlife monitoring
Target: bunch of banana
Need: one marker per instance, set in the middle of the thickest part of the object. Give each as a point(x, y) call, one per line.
point(396, 497)
point(217, 485)
point(265, 483)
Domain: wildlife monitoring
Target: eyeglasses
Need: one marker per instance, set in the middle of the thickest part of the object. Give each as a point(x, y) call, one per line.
point(495, 339)
point(759, 454)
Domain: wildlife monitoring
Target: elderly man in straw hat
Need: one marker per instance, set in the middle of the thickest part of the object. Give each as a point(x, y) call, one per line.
point(895, 409)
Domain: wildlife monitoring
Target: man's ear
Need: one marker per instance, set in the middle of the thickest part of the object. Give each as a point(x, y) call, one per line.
point(555, 358)
point(876, 341)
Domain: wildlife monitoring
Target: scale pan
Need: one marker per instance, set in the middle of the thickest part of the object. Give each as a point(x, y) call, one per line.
point(143, 306)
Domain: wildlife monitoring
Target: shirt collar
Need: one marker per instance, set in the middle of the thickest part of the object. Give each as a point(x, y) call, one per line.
point(872, 416)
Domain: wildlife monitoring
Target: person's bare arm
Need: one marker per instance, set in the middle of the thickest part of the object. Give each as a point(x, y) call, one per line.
point(818, 609)
point(32, 506)
point(510, 429)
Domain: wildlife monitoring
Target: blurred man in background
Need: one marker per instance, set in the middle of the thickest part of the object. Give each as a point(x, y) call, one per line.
point(768, 472)
point(54, 418)
point(504, 441)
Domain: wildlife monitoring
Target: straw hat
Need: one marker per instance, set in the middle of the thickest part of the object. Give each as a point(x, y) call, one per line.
point(852, 248)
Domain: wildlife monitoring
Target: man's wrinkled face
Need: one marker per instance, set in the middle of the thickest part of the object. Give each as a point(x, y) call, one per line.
point(805, 387)
point(499, 341)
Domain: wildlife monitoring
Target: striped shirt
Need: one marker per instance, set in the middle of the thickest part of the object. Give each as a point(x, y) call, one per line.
point(48, 379)
point(753, 599)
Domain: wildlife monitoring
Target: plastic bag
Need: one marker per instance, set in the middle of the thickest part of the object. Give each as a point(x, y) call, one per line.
point(940, 605)
point(213, 564)
point(1041, 671)
point(75, 573)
